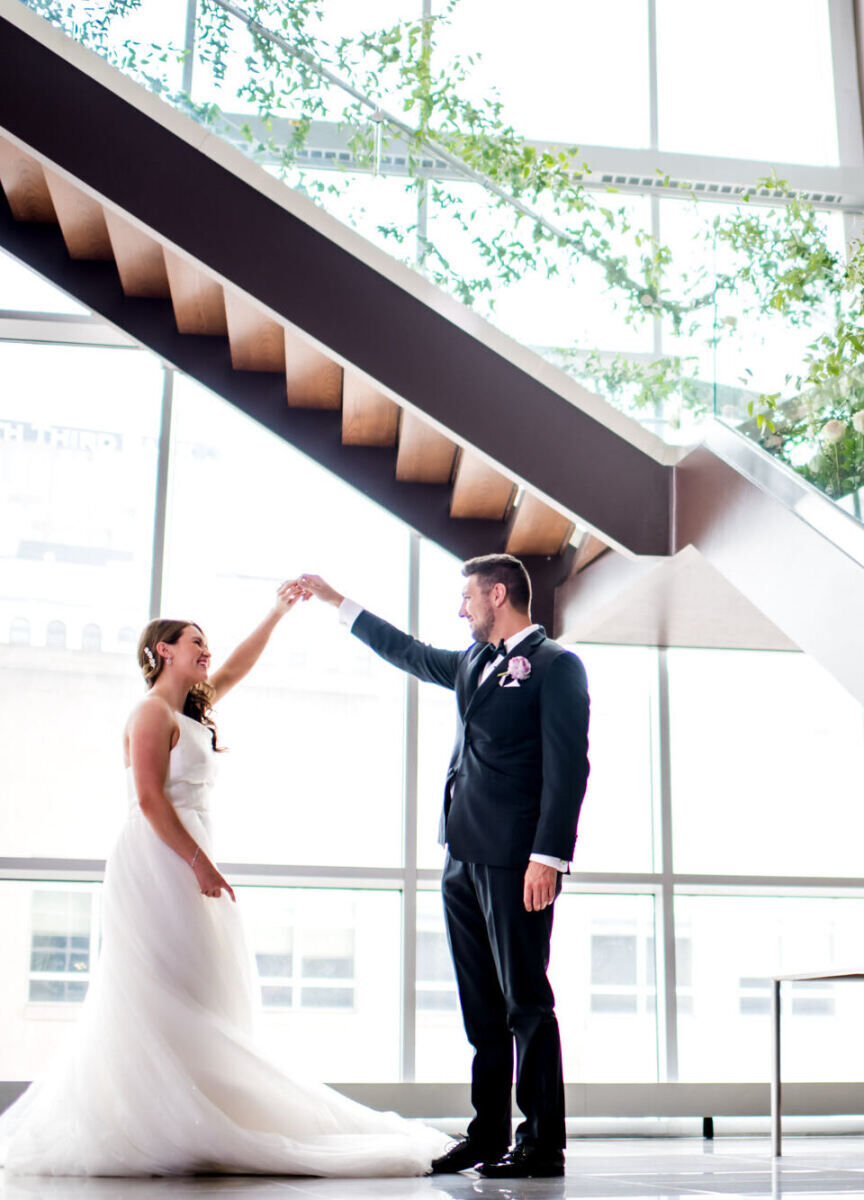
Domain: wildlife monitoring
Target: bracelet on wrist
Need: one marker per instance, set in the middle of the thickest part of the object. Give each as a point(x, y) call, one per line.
point(194, 857)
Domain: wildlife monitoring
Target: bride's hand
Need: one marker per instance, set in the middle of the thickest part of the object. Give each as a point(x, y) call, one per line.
point(287, 595)
point(210, 881)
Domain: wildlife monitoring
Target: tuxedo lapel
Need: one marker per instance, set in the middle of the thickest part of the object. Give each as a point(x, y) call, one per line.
point(472, 673)
point(526, 647)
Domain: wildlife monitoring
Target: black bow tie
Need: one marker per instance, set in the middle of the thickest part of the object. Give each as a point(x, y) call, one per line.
point(499, 649)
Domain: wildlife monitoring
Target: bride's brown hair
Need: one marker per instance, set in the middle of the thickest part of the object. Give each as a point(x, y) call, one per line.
point(199, 699)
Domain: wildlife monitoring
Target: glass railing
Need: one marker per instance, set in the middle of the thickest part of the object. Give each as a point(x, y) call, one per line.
point(661, 304)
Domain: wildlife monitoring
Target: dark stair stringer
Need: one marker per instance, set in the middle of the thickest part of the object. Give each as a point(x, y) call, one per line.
point(371, 469)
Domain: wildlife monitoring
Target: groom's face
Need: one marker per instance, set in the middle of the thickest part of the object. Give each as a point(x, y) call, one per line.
point(477, 609)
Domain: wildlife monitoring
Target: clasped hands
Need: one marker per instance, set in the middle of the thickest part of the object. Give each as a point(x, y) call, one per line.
point(304, 587)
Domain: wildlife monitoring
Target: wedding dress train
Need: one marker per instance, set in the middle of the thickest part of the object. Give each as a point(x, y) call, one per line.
point(162, 1076)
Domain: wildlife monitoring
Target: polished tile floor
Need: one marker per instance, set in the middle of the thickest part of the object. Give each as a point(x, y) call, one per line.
point(603, 1169)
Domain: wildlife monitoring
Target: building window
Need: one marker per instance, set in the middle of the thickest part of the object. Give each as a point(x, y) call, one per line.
point(61, 945)
point(55, 635)
point(306, 968)
point(754, 996)
point(436, 986)
point(623, 968)
point(813, 998)
point(19, 632)
point(91, 638)
point(808, 998)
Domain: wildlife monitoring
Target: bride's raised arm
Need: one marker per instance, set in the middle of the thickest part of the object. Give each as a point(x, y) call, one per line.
point(241, 660)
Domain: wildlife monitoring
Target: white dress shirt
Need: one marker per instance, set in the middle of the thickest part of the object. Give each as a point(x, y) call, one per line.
point(350, 610)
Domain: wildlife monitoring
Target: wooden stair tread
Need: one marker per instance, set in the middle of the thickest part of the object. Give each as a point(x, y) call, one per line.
point(312, 379)
point(139, 257)
point(23, 181)
point(589, 549)
point(369, 418)
point(479, 490)
point(537, 528)
point(425, 455)
point(81, 220)
point(257, 341)
point(198, 300)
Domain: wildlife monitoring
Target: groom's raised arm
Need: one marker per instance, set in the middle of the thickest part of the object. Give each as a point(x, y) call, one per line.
point(398, 648)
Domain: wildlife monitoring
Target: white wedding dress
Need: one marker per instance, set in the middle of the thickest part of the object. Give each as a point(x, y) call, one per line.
point(162, 1076)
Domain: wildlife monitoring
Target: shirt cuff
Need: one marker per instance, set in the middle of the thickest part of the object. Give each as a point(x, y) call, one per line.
point(349, 611)
point(548, 861)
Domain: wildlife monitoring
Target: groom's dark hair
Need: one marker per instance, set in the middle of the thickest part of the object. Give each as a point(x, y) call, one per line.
point(502, 568)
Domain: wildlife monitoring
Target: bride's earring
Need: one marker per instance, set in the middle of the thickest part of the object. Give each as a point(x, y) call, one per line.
point(169, 661)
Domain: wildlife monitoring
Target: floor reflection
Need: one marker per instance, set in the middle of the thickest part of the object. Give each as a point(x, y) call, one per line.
point(656, 1168)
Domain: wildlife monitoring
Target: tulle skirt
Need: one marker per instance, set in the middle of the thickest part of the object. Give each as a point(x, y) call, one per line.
point(162, 1075)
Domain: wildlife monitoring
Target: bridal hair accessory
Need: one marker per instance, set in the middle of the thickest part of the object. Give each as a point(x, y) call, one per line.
point(518, 668)
point(150, 658)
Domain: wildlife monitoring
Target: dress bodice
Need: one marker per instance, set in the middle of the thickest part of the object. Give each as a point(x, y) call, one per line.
point(191, 768)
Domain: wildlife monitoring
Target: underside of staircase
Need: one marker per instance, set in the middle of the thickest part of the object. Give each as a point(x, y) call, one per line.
point(246, 287)
point(196, 253)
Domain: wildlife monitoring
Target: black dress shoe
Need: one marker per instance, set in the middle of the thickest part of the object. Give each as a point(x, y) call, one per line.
point(464, 1154)
point(525, 1162)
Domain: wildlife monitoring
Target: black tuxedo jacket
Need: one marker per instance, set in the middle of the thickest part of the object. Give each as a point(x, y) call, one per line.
point(519, 766)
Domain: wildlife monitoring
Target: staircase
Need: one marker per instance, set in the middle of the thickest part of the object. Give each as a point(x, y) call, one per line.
point(181, 242)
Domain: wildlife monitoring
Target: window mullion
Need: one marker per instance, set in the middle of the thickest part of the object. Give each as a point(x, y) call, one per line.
point(409, 825)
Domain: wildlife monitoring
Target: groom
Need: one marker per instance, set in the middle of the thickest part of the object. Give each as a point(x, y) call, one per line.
point(511, 802)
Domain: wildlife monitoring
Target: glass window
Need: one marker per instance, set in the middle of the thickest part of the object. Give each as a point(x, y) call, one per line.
point(754, 353)
point(738, 943)
point(91, 638)
point(720, 93)
point(48, 936)
point(55, 635)
point(441, 584)
point(321, 954)
point(331, 22)
point(765, 750)
point(572, 308)
point(314, 773)
point(602, 972)
point(616, 821)
point(77, 488)
point(436, 986)
point(22, 290)
point(346, 1027)
point(328, 967)
point(442, 1050)
point(382, 208)
point(160, 24)
point(61, 938)
point(570, 73)
point(613, 958)
point(19, 632)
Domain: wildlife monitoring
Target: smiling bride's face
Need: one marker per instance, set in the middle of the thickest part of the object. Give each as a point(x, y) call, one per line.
point(190, 654)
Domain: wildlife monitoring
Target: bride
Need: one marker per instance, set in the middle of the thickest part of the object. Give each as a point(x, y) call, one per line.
point(162, 1076)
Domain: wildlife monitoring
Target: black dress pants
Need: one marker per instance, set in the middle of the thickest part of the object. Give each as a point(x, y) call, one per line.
point(501, 955)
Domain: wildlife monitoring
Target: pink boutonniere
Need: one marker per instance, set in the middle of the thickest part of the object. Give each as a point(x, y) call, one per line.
point(518, 668)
